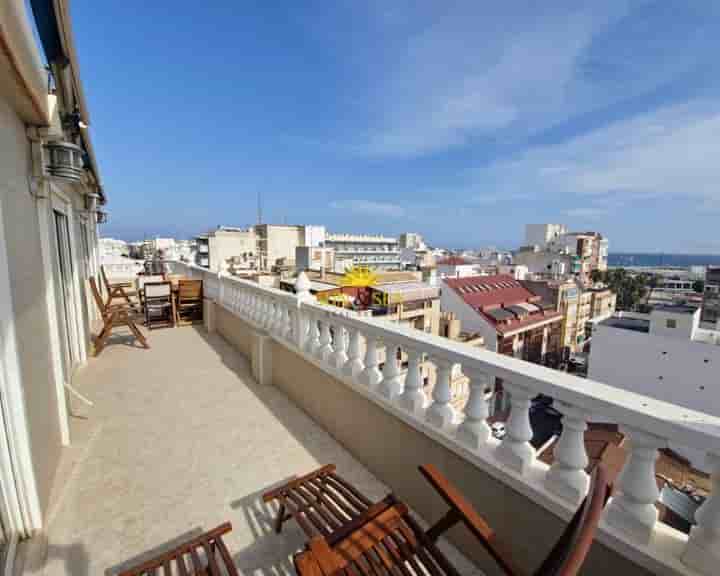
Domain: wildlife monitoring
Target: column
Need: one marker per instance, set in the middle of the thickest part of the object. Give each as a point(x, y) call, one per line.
point(325, 349)
point(632, 509)
point(515, 450)
point(371, 376)
point(441, 413)
point(339, 356)
point(312, 344)
point(702, 552)
point(413, 398)
point(391, 384)
point(567, 476)
point(354, 366)
point(474, 431)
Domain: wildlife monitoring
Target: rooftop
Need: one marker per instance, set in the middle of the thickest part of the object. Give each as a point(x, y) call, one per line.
point(182, 438)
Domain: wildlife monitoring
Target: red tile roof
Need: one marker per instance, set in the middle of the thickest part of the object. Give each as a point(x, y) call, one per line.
point(453, 261)
point(485, 293)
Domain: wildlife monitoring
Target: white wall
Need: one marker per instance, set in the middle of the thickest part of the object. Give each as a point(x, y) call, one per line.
point(470, 320)
point(685, 324)
point(681, 372)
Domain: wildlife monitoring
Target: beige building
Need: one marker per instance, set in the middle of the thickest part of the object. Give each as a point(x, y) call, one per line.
point(565, 296)
point(278, 242)
point(227, 248)
point(50, 197)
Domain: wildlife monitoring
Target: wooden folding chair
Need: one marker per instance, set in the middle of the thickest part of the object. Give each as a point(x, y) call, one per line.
point(204, 555)
point(320, 502)
point(388, 540)
point(122, 290)
point(159, 304)
point(113, 315)
point(189, 301)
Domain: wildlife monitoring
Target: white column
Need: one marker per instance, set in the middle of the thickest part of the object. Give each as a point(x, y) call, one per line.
point(441, 413)
point(371, 376)
point(474, 430)
point(413, 398)
point(702, 552)
point(632, 509)
point(567, 476)
point(288, 322)
point(515, 450)
point(302, 293)
point(354, 366)
point(325, 349)
point(312, 344)
point(339, 356)
point(391, 384)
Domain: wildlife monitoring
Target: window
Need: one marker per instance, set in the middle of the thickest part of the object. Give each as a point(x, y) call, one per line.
point(671, 323)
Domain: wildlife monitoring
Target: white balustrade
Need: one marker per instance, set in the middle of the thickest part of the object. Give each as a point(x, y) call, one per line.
point(474, 430)
point(347, 344)
point(515, 450)
point(702, 552)
point(632, 508)
point(371, 375)
point(567, 476)
point(391, 383)
point(339, 356)
point(441, 412)
point(354, 366)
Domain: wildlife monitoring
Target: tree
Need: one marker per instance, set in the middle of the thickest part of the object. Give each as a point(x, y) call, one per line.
point(699, 286)
point(597, 276)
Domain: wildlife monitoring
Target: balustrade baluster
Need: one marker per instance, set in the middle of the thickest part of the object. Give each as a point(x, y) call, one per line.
point(515, 449)
point(474, 430)
point(391, 383)
point(325, 350)
point(371, 375)
point(441, 412)
point(567, 476)
point(632, 508)
point(354, 366)
point(413, 398)
point(702, 552)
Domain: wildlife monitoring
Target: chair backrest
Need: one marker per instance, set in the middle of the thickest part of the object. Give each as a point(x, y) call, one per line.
point(157, 290)
point(190, 290)
point(148, 278)
point(96, 295)
point(568, 554)
point(103, 274)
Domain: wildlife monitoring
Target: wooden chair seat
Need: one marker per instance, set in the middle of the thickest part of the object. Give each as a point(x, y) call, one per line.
point(114, 315)
point(321, 502)
point(205, 555)
point(189, 301)
point(386, 539)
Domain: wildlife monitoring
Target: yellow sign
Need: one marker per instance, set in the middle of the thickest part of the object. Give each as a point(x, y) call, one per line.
point(360, 277)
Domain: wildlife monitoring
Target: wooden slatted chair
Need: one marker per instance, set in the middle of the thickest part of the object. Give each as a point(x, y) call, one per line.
point(387, 540)
point(320, 502)
point(159, 304)
point(204, 555)
point(113, 315)
point(189, 301)
point(119, 290)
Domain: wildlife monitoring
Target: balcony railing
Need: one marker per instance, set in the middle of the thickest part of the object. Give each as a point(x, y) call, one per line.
point(347, 346)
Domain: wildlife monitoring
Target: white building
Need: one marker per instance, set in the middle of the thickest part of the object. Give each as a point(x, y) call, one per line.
point(110, 248)
point(278, 242)
point(664, 355)
point(456, 267)
point(543, 234)
point(374, 251)
point(220, 248)
point(412, 240)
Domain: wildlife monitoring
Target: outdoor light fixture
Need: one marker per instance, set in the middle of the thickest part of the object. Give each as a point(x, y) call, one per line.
point(64, 160)
point(101, 217)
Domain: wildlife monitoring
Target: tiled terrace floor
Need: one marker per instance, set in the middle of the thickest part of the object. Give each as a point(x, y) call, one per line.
point(180, 439)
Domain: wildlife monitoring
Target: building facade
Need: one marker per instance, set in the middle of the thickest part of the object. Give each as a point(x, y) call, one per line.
point(370, 250)
point(227, 247)
point(565, 296)
point(711, 296)
point(511, 319)
point(50, 197)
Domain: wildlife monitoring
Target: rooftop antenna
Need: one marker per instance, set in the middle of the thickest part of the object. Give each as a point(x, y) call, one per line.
point(259, 208)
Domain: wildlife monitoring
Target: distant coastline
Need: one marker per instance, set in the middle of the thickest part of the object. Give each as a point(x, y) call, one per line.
point(639, 259)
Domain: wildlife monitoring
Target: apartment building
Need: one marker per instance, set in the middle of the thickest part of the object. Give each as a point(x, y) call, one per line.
point(711, 296)
point(602, 304)
point(565, 296)
point(456, 267)
point(370, 250)
point(50, 196)
point(511, 319)
point(412, 240)
point(276, 243)
point(219, 249)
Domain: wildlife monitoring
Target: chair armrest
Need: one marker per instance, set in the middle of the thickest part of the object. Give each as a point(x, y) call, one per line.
point(462, 511)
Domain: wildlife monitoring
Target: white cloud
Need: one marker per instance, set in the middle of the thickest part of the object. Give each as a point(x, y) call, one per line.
point(667, 153)
point(370, 208)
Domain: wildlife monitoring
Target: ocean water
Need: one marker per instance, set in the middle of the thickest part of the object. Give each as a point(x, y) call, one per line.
point(617, 259)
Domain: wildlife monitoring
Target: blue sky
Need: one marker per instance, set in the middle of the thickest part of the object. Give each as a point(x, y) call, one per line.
point(460, 120)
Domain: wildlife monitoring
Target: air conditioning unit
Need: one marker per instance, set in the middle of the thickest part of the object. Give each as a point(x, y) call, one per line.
point(64, 160)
